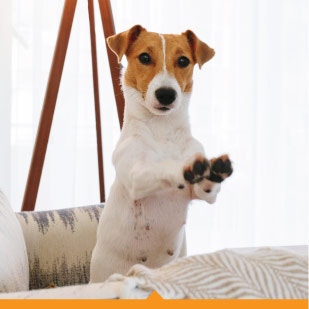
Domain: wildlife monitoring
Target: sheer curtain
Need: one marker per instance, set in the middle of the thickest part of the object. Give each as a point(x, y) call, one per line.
point(250, 100)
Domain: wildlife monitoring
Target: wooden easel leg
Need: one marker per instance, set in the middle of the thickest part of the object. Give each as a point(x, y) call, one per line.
point(96, 99)
point(52, 89)
point(48, 109)
point(109, 29)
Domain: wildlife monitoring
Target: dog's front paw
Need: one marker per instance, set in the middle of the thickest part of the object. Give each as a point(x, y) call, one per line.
point(220, 169)
point(196, 175)
point(125, 287)
point(205, 177)
point(197, 171)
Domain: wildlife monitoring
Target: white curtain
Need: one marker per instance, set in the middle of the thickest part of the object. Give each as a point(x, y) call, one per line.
point(250, 101)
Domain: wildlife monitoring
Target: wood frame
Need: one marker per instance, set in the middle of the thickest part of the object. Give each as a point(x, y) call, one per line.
point(49, 104)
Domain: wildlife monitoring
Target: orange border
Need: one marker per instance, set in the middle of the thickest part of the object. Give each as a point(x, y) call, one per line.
point(155, 301)
point(139, 304)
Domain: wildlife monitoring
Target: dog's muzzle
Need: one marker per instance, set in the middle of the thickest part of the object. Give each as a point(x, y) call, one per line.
point(166, 96)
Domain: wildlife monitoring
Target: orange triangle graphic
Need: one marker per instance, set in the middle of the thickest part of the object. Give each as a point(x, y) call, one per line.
point(155, 297)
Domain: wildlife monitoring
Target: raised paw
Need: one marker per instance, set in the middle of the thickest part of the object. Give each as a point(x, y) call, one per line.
point(197, 171)
point(206, 177)
point(220, 168)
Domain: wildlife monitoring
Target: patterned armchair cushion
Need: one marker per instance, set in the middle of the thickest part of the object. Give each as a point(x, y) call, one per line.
point(59, 244)
point(256, 273)
point(14, 270)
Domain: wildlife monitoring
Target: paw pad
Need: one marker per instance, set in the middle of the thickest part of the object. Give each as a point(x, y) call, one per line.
point(197, 172)
point(221, 168)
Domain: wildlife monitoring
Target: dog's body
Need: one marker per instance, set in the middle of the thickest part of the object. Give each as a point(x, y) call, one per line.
point(159, 166)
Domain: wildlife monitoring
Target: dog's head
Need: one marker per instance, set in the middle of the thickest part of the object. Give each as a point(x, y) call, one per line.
point(160, 66)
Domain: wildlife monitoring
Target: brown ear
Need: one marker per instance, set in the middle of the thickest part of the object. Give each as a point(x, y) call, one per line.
point(120, 43)
point(200, 50)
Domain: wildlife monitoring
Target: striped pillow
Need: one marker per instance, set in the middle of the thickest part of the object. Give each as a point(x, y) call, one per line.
point(14, 268)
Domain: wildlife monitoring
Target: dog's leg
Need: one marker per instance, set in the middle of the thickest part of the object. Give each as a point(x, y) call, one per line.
point(206, 177)
point(148, 178)
point(144, 173)
point(183, 251)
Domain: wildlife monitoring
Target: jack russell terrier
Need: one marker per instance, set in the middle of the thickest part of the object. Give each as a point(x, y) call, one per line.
point(159, 166)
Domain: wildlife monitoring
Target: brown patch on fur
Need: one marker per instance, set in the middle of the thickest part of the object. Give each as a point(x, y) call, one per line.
point(139, 75)
point(170, 252)
point(138, 40)
point(200, 50)
point(142, 259)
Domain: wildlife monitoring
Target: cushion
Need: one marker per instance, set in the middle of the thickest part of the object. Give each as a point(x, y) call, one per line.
point(14, 268)
point(59, 244)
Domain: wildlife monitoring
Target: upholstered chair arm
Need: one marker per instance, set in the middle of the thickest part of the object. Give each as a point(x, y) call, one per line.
point(59, 244)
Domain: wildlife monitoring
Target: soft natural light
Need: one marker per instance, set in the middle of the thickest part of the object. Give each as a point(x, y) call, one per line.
point(250, 101)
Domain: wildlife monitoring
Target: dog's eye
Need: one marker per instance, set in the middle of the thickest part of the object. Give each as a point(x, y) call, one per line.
point(183, 62)
point(144, 58)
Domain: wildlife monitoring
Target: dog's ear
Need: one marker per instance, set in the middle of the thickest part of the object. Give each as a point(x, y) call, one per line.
point(120, 43)
point(200, 50)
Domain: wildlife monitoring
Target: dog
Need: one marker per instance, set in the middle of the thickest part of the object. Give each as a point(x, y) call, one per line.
point(159, 166)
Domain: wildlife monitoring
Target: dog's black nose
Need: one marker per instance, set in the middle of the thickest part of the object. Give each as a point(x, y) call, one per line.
point(166, 96)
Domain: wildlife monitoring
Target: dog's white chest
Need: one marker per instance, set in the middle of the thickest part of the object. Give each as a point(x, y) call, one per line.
point(148, 231)
point(159, 166)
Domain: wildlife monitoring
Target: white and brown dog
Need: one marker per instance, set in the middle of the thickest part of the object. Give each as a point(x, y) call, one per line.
point(159, 166)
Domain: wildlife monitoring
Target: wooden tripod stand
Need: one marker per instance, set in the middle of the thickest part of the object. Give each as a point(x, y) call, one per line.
point(51, 94)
